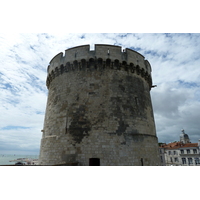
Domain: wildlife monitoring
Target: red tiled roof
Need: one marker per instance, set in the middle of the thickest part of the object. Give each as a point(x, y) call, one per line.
point(190, 145)
point(177, 145)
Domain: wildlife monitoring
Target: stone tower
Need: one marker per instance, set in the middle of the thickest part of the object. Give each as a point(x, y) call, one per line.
point(99, 109)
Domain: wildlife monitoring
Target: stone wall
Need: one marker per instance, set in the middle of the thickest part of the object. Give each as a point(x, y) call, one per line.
point(99, 106)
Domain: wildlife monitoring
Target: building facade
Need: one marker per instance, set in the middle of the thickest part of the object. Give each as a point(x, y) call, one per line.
point(182, 153)
point(99, 109)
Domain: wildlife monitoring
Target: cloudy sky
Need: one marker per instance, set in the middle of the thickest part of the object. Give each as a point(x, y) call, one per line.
point(175, 61)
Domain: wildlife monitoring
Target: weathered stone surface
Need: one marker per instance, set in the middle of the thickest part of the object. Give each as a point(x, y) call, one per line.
point(99, 106)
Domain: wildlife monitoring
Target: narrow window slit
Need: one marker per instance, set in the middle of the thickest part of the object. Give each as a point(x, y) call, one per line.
point(108, 52)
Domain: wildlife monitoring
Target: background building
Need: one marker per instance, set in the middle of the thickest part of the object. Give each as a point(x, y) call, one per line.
point(182, 153)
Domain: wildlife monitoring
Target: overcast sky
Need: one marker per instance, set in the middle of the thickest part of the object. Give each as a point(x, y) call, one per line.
point(24, 59)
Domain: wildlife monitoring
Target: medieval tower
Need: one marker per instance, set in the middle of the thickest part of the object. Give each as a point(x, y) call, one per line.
point(99, 109)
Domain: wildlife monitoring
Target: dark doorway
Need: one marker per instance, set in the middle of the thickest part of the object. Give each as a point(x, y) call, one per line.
point(94, 161)
point(142, 162)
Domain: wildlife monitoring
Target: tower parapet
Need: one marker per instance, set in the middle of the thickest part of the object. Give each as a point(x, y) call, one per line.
point(103, 56)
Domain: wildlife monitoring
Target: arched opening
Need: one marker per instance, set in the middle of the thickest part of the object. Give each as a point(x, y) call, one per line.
point(100, 61)
point(146, 75)
point(52, 74)
point(138, 70)
point(91, 63)
point(56, 72)
point(132, 67)
point(75, 63)
point(124, 65)
point(108, 62)
point(67, 66)
point(62, 69)
point(116, 64)
point(50, 78)
point(142, 72)
point(83, 64)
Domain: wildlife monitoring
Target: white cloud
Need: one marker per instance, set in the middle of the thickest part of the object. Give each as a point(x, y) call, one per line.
point(25, 57)
point(176, 106)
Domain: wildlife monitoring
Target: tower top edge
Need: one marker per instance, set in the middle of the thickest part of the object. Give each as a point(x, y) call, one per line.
point(107, 45)
point(56, 56)
point(80, 46)
point(128, 49)
point(104, 51)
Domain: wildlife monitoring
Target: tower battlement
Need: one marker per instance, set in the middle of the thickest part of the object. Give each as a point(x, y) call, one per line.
point(102, 51)
point(103, 56)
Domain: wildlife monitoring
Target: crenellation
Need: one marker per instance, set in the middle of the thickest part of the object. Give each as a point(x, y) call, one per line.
point(77, 53)
point(105, 52)
point(56, 61)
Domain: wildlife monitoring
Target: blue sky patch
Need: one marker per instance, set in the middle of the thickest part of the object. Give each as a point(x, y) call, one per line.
point(188, 84)
point(7, 86)
point(135, 49)
point(40, 113)
point(123, 35)
point(82, 36)
point(31, 47)
point(14, 127)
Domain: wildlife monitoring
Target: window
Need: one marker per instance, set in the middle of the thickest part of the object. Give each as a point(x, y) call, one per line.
point(183, 160)
point(171, 159)
point(169, 152)
point(190, 161)
point(161, 158)
point(197, 161)
point(182, 151)
point(176, 159)
point(174, 152)
point(194, 151)
point(188, 151)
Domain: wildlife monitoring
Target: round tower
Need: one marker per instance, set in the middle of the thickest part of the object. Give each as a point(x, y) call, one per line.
point(99, 109)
